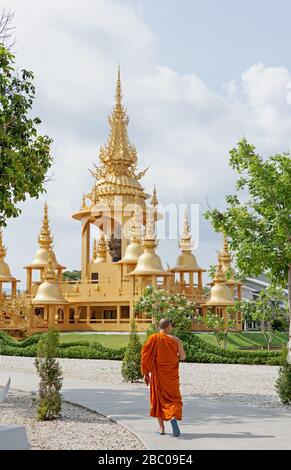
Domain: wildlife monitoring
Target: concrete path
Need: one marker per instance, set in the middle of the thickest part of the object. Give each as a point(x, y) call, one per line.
point(207, 424)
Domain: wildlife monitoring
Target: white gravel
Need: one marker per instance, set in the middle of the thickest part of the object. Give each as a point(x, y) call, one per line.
point(235, 382)
point(78, 428)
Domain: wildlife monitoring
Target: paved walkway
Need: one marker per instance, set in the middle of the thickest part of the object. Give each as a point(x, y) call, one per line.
point(207, 424)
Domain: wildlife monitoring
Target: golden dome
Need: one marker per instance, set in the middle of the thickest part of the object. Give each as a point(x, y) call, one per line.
point(220, 294)
point(132, 252)
point(49, 291)
point(149, 262)
point(41, 257)
point(5, 273)
point(186, 262)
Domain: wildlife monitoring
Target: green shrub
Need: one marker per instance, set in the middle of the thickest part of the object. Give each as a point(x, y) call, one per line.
point(49, 403)
point(131, 364)
point(283, 383)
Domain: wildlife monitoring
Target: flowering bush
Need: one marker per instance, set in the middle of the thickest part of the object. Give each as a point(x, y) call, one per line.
point(158, 303)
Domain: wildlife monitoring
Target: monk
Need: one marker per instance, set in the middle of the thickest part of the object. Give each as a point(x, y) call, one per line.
point(160, 357)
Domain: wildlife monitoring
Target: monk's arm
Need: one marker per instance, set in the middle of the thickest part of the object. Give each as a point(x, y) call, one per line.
point(182, 355)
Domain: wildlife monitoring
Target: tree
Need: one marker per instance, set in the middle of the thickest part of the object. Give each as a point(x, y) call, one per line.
point(7, 28)
point(269, 307)
point(158, 304)
point(258, 226)
point(74, 275)
point(50, 401)
point(220, 325)
point(24, 155)
point(131, 364)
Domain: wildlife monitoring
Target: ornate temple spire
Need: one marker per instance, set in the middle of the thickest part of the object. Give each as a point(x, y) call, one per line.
point(225, 257)
point(186, 243)
point(219, 273)
point(134, 249)
point(136, 227)
point(45, 238)
point(99, 250)
point(149, 261)
point(117, 174)
point(150, 225)
point(154, 199)
point(5, 272)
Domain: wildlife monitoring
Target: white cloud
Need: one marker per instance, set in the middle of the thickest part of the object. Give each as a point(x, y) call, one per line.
point(181, 128)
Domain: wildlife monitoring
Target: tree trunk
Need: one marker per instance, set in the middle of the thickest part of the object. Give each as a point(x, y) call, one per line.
point(289, 306)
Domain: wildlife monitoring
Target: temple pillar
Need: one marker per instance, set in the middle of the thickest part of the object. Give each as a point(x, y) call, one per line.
point(51, 311)
point(191, 282)
point(28, 280)
point(85, 250)
point(88, 314)
point(200, 287)
point(118, 314)
point(239, 291)
point(13, 288)
point(60, 274)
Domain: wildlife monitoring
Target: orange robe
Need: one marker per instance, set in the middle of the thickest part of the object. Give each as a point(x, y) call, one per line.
point(159, 357)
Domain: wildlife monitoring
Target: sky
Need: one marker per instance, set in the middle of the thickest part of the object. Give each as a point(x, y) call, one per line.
point(197, 76)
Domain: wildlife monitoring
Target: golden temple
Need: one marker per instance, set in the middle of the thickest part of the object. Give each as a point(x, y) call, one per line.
point(116, 268)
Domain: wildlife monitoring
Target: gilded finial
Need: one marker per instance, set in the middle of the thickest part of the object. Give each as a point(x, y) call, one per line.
point(225, 257)
point(99, 250)
point(45, 238)
point(84, 205)
point(50, 269)
point(154, 199)
point(94, 250)
point(118, 92)
point(150, 225)
point(186, 243)
point(136, 227)
point(219, 273)
point(3, 249)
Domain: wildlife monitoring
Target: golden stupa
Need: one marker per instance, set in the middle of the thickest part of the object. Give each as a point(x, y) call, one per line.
point(122, 260)
point(220, 294)
point(49, 291)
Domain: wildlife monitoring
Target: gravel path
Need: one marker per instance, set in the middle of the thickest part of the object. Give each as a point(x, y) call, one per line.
point(234, 382)
point(78, 428)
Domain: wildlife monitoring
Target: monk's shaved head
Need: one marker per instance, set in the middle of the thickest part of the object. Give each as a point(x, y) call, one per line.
point(164, 323)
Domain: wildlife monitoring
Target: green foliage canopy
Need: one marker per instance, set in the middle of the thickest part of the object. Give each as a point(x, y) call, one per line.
point(24, 155)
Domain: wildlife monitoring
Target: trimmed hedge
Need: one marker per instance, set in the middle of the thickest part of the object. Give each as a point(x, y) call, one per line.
point(196, 350)
point(77, 349)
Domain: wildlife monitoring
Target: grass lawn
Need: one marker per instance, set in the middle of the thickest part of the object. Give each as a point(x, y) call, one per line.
point(246, 339)
point(234, 341)
point(111, 341)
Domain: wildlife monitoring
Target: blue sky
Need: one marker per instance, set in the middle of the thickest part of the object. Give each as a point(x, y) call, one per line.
point(197, 76)
point(219, 39)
